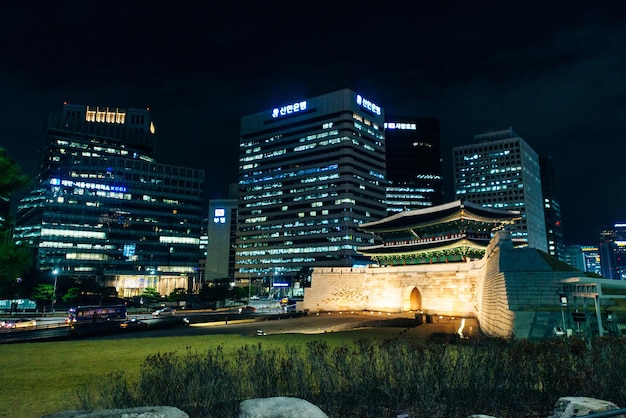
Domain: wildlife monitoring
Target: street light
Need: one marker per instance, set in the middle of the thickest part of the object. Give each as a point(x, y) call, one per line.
point(54, 290)
point(563, 299)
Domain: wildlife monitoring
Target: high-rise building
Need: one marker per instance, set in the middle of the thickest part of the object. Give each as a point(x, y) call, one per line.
point(310, 172)
point(552, 208)
point(104, 209)
point(583, 257)
point(500, 170)
point(613, 252)
point(222, 235)
point(414, 172)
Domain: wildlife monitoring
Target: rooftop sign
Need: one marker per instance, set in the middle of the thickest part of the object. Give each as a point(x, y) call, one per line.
point(289, 109)
point(366, 104)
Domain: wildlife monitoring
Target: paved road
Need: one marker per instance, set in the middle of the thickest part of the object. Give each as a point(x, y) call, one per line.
point(234, 323)
point(312, 324)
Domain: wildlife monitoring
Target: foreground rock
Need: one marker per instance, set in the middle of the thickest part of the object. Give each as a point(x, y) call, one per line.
point(279, 407)
point(140, 412)
point(572, 406)
point(287, 407)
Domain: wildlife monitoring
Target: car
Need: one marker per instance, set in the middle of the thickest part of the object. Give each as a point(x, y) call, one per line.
point(558, 331)
point(134, 323)
point(20, 323)
point(167, 311)
point(247, 310)
point(289, 308)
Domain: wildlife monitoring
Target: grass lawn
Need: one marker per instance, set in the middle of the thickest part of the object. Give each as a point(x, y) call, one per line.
point(42, 378)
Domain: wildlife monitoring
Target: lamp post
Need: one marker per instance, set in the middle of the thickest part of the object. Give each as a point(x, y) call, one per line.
point(563, 298)
point(54, 290)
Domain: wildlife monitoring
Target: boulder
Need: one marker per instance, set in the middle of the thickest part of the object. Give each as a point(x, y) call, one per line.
point(574, 406)
point(279, 407)
point(139, 412)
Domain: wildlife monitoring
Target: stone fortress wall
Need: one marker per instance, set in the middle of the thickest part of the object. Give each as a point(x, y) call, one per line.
point(510, 291)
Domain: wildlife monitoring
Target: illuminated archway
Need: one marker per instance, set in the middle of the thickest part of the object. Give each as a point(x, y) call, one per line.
point(411, 299)
point(415, 300)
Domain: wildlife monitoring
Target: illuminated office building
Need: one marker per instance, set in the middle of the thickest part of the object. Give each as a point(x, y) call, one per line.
point(103, 209)
point(583, 257)
point(500, 170)
point(612, 250)
point(552, 208)
point(222, 235)
point(310, 172)
point(414, 172)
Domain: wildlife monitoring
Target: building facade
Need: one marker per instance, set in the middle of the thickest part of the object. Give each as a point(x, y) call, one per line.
point(310, 172)
point(104, 209)
point(222, 235)
point(612, 250)
point(414, 167)
point(500, 170)
point(552, 208)
point(584, 257)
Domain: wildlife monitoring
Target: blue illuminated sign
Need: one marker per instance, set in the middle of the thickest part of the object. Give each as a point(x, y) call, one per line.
point(366, 104)
point(87, 185)
point(289, 109)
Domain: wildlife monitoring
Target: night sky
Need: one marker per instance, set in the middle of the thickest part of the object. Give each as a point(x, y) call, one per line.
point(555, 73)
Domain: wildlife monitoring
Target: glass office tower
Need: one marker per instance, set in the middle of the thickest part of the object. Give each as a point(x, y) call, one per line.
point(500, 170)
point(414, 170)
point(552, 208)
point(310, 172)
point(612, 250)
point(104, 209)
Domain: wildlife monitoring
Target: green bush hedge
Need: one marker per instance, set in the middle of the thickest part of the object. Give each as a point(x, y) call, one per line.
point(441, 377)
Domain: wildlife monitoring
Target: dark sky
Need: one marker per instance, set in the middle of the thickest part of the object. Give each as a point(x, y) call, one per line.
point(555, 73)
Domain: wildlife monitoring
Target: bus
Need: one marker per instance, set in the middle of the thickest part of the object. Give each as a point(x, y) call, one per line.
point(96, 313)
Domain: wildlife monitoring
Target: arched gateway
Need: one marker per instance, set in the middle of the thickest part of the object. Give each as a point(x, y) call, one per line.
point(425, 259)
point(414, 300)
point(455, 260)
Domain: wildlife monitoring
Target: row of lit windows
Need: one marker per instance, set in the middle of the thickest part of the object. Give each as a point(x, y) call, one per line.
point(72, 233)
point(108, 115)
point(280, 175)
point(264, 155)
point(83, 246)
point(366, 121)
point(136, 166)
point(318, 204)
point(292, 250)
point(296, 250)
point(289, 224)
point(404, 189)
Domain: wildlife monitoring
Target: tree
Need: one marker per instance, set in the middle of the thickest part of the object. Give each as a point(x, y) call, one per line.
point(218, 289)
point(11, 177)
point(177, 295)
point(15, 259)
point(71, 295)
point(42, 294)
point(150, 294)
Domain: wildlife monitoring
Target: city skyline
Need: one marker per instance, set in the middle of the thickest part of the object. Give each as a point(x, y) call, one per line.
point(554, 73)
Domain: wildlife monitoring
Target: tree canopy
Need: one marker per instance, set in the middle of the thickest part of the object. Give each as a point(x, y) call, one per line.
point(15, 260)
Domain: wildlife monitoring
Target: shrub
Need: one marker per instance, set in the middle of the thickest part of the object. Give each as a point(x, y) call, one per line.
point(373, 378)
